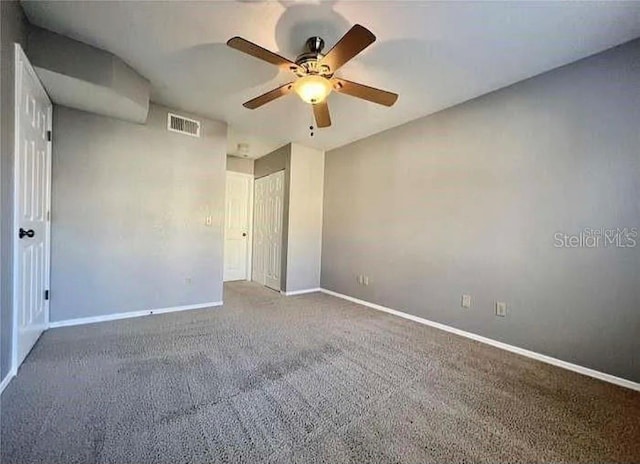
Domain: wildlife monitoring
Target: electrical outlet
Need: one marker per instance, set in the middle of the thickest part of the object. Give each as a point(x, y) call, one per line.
point(501, 309)
point(466, 301)
point(360, 279)
point(365, 281)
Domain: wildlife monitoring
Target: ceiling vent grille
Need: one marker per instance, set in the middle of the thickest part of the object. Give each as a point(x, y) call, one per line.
point(182, 125)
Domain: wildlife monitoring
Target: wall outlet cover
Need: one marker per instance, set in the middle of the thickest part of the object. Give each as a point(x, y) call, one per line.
point(466, 301)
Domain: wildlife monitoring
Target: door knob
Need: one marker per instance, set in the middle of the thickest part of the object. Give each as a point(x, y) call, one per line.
point(244, 234)
point(26, 233)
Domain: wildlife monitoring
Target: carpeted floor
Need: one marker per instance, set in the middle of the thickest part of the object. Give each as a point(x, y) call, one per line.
point(304, 379)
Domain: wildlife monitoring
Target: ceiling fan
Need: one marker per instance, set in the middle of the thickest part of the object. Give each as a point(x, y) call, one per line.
point(315, 72)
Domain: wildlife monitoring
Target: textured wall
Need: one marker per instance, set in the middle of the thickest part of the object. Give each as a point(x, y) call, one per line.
point(305, 218)
point(468, 201)
point(242, 165)
point(128, 214)
point(279, 160)
point(12, 29)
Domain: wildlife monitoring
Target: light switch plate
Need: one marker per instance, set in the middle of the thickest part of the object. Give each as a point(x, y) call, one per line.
point(466, 301)
point(501, 308)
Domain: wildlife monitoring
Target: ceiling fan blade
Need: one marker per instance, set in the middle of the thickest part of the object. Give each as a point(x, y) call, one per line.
point(353, 42)
point(321, 113)
point(263, 54)
point(381, 97)
point(269, 96)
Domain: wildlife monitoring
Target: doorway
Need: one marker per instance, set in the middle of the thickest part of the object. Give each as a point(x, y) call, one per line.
point(237, 229)
point(32, 203)
point(268, 224)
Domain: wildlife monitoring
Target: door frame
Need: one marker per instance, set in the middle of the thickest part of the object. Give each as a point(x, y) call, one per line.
point(22, 61)
point(249, 254)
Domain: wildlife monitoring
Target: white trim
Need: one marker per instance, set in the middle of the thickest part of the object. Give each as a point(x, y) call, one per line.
point(47, 279)
point(301, 292)
point(6, 381)
point(242, 174)
point(14, 245)
point(504, 346)
point(146, 312)
point(250, 229)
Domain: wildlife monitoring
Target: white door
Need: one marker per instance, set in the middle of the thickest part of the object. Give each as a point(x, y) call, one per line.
point(269, 199)
point(237, 234)
point(32, 203)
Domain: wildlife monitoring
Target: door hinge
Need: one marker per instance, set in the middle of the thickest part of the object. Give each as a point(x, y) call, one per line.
point(46, 294)
point(48, 136)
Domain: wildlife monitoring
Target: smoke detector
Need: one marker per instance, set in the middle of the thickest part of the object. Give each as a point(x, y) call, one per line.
point(242, 150)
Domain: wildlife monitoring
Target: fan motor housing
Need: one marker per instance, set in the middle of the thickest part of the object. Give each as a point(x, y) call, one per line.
point(308, 60)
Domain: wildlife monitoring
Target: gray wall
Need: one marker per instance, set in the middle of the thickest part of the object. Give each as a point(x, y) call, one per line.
point(12, 29)
point(304, 236)
point(468, 201)
point(242, 165)
point(129, 214)
point(279, 160)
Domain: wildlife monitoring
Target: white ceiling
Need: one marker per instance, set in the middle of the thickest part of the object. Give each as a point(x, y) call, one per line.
point(434, 54)
point(257, 146)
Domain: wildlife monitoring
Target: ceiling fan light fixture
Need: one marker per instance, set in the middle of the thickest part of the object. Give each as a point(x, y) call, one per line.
point(312, 88)
point(315, 72)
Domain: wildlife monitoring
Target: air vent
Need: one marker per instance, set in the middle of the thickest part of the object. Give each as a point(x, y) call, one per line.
point(183, 125)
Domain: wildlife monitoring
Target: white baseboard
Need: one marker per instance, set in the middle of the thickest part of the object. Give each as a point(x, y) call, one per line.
point(489, 341)
point(146, 312)
point(6, 381)
point(301, 292)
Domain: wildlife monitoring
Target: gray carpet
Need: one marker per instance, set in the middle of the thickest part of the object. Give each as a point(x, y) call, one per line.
point(305, 379)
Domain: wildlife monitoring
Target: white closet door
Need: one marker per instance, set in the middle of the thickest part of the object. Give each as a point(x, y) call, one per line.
point(267, 251)
point(273, 213)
